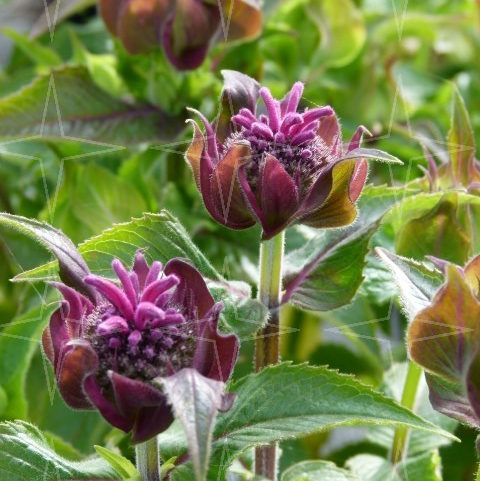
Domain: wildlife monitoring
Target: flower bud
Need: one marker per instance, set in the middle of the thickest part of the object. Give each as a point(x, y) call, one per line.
point(154, 322)
point(184, 28)
point(277, 168)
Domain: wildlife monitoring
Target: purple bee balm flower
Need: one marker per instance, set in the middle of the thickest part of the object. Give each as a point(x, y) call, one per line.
point(153, 323)
point(277, 168)
point(184, 28)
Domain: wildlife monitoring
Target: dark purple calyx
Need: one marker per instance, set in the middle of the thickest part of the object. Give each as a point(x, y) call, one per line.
point(136, 331)
point(284, 133)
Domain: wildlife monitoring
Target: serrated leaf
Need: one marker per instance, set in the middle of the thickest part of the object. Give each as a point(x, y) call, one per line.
point(161, 235)
point(416, 282)
point(326, 270)
point(426, 467)
point(26, 456)
point(72, 267)
point(330, 272)
point(122, 466)
point(85, 111)
point(195, 400)
point(291, 401)
point(162, 238)
point(317, 471)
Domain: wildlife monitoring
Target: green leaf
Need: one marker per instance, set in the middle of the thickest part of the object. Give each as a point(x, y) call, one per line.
point(291, 401)
point(325, 271)
point(373, 468)
point(18, 342)
point(461, 142)
point(163, 238)
point(373, 154)
point(98, 198)
point(122, 466)
point(26, 456)
point(419, 442)
point(317, 471)
point(72, 267)
point(161, 235)
point(416, 282)
point(343, 31)
point(84, 112)
point(445, 232)
point(241, 314)
point(38, 53)
point(195, 400)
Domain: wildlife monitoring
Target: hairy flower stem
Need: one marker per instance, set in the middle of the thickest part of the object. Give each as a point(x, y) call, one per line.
point(267, 345)
point(148, 460)
point(409, 395)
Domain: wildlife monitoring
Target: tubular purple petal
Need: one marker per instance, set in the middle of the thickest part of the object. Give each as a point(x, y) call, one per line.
point(126, 281)
point(294, 97)
point(111, 292)
point(158, 287)
point(112, 325)
point(273, 109)
point(148, 311)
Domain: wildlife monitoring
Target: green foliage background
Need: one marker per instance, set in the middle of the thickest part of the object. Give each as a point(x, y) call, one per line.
point(90, 136)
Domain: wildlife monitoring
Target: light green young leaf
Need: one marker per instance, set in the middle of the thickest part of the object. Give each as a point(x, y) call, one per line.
point(416, 282)
point(317, 471)
point(461, 141)
point(343, 31)
point(41, 55)
point(26, 456)
point(119, 463)
point(195, 400)
point(426, 467)
point(291, 401)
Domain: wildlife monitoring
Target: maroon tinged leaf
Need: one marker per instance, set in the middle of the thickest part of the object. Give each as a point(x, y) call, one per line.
point(72, 267)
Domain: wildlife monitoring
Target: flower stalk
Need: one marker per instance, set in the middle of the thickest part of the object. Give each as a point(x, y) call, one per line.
point(267, 344)
point(148, 460)
point(409, 395)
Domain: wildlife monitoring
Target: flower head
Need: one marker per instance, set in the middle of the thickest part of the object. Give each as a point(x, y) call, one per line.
point(106, 352)
point(444, 338)
point(280, 167)
point(185, 28)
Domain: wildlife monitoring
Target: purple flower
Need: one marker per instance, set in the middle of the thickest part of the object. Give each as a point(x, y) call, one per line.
point(277, 168)
point(153, 323)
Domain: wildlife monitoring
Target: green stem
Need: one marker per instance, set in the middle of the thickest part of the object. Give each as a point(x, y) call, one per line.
point(148, 460)
point(409, 395)
point(477, 477)
point(267, 344)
